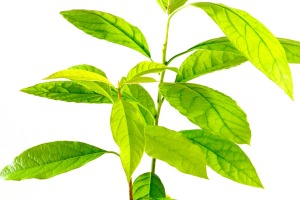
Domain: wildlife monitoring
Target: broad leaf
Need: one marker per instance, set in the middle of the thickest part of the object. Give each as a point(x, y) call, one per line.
point(143, 79)
point(176, 150)
point(209, 109)
point(89, 68)
point(148, 186)
point(108, 27)
point(206, 61)
point(171, 5)
point(50, 159)
point(79, 75)
point(66, 91)
point(292, 50)
point(97, 87)
point(146, 105)
point(128, 132)
point(254, 41)
point(146, 67)
point(225, 157)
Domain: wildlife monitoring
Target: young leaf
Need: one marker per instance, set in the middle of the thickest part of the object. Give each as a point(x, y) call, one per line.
point(171, 5)
point(128, 132)
point(148, 186)
point(209, 109)
point(206, 61)
point(66, 91)
point(176, 150)
point(253, 40)
point(89, 68)
point(292, 50)
point(225, 157)
point(143, 79)
point(97, 87)
point(79, 75)
point(50, 159)
point(108, 27)
point(147, 106)
point(146, 67)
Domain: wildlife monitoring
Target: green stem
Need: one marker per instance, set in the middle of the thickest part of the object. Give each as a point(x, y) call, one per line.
point(160, 98)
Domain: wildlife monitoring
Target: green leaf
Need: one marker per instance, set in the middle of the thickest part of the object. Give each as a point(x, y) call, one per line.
point(50, 159)
point(292, 50)
point(209, 109)
point(206, 61)
point(143, 79)
point(79, 75)
point(89, 68)
point(176, 150)
point(97, 87)
point(128, 132)
point(146, 67)
point(146, 104)
point(148, 186)
point(254, 41)
point(66, 91)
point(225, 157)
point(108, 27)
point(171, 5)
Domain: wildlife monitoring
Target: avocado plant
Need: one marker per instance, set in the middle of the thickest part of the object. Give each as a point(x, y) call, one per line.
point(134, 119)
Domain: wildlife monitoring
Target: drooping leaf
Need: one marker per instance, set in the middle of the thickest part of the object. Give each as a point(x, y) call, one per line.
point(254, 41)
point(108, 27)
point(128, 132)
point(176, 150)
point(50, 159)
point(209, 109)
point(143, 79)
point(148, 186)
point(145, 102)
point(225, 157)
point(146, 67)
point(171, 5)
point(66, 91)
point(89, 68)
point(206, 61)
point(79, 75)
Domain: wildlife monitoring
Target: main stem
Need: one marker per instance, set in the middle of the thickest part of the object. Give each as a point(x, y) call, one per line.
point(160, 98)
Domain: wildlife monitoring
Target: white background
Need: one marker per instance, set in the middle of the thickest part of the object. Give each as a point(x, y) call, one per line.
point(36, 41)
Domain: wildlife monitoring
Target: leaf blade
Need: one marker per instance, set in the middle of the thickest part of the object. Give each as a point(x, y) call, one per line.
point(209, 109)
point(254, 40)
point(225, 157)
point(173, 148)
point(108, 27)
point(50, 159)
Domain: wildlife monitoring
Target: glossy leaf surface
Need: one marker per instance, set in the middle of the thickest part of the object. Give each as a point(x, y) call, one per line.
point(89, 68)
point(225, 157)
point(171, 5)
point(50, 159)
point(108, 27)
point(128, 132)
point(143, 79)
point(206, 61)
point(176, 150)
point(66, 91)
point(209, 109)
point(254, 41)
point(148, 186)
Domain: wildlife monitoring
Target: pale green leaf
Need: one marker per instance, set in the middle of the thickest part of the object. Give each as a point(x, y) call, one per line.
point(146, 104)
point(254, 41)
point(292, 50)
point(50, 159)
point(147, 67)
point(108, 27)
point(66, 91)
point(89, 68)
point(176, 150)
point(170, 6)
point(206, 61)
point(79, 75)
point(97, 87)
point(143, 79)
point(128, 132)
point(225, 157)
point(148, 186)
point(209, 109)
